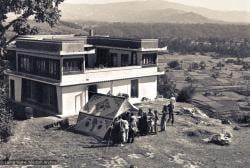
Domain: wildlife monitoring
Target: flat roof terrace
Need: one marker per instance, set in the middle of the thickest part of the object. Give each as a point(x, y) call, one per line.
point(54, 45)
point(123, 42)
point(77, 44)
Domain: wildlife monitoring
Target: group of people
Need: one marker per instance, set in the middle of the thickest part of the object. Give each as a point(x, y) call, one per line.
point(126, 127)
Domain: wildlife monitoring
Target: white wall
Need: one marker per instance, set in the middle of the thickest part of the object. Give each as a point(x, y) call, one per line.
point(104, 88)
point(69, 97)
point(18, 88)
point(66, 95)
point(122, 86)
point(148, 87)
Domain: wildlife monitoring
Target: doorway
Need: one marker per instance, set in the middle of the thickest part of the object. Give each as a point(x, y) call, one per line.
point(92, 90)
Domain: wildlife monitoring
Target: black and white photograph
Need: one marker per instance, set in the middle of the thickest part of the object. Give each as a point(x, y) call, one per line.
point(124, 83)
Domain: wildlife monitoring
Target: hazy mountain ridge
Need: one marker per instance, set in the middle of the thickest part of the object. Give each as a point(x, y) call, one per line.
point(149, 11)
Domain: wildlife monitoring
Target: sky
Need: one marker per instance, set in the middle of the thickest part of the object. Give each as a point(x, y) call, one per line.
point(239, 5)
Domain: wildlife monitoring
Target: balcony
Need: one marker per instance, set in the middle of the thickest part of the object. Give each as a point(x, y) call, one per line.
point(109, 74)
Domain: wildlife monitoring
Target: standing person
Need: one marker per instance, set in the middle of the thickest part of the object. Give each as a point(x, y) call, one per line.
point(164, 118)
point(140, 112)
point(125, 130)
point(171, 110)
point(132, 129)
point(150, 121)
point(144, 124)
point(156, 119)
point(140, 121)
point(128, 116)
point(121, 131)
point(116, 132)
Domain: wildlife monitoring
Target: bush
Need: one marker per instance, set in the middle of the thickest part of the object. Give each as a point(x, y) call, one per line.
point(5, 120)
point(189, 79)
point(202, 65)
point(246, 66)
point(166, 86)
point(215, 75)
point(220, 65)
point(193, 66)
point(230, 61)
point(186, 94)
point(174, 64)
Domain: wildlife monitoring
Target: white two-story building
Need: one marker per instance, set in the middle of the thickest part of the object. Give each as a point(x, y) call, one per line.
point(58, 74)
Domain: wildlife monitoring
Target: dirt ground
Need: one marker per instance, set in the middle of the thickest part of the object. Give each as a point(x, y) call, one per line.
point(173, 148)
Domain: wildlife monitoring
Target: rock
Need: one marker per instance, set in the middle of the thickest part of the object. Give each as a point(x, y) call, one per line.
point(221, 139)
point(225, 121)
point(237, 128)
point(194, 112)
point(229, 134)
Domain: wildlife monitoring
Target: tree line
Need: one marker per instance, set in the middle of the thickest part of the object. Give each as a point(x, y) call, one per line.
point(224, 39)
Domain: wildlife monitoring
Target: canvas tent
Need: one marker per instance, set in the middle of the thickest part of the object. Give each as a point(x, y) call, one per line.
point(97, 115)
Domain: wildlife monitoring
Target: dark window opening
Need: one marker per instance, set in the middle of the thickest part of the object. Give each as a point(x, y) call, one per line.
point(73, 65)
point(114, 60)
point(149, 59)
point(39, 93)
point(12, 89)
point(102, 57)
point(39, 66)
point(92, 90)
point(11, 56)
point(134, 58)
point(124, 60)
point(134, 89)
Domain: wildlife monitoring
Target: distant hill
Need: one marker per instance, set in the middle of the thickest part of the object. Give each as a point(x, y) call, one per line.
point(152, 11)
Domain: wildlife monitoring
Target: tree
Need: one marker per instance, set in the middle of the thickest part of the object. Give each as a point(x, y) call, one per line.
point(45, 11)
point(186, 94)
point(175, 65)
point(166, 86)
point(202, 65)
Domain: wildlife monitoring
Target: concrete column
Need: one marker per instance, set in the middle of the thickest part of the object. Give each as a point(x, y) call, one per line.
point(59, 99)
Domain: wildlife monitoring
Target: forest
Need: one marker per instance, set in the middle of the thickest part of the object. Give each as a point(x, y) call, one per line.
point(223, 39)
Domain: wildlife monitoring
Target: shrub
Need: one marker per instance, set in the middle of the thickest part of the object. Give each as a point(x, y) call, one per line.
point(193, 66)
point(215, 75)
point(219, 64)
point(174, 64)
point(246, 66)
point(5, 120)
point(186, 94)
point(230, 61)
point(203, 65)
point(189, 79)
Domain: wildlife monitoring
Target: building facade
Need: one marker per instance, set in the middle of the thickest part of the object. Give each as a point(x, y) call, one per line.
point(58, 74)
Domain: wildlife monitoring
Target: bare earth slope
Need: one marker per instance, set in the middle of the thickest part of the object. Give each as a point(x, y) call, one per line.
point(173, 148)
